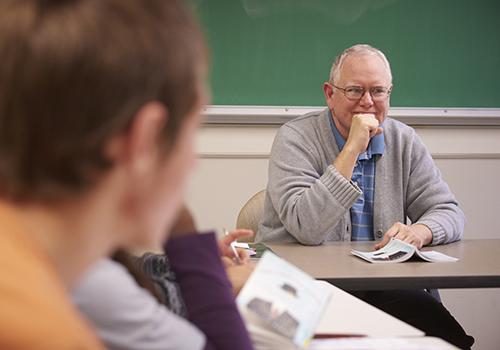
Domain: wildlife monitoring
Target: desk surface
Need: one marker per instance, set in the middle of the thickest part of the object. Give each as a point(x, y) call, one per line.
point(346, 314)
point(478, 267)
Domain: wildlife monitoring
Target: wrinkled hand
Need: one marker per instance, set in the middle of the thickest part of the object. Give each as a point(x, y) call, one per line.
point(237, 274)
point(225, 244)
point(363, 128)
point(417, 234)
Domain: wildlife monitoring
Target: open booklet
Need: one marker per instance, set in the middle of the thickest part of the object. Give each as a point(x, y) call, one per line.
point(398, 251)
point(281, 304)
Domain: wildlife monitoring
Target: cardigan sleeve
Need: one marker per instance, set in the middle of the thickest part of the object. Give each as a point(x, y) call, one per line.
point(429, 199)
point(207, 291)
point(308, 199)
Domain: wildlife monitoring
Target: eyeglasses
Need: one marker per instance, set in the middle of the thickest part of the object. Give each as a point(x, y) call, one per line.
point(355, 93)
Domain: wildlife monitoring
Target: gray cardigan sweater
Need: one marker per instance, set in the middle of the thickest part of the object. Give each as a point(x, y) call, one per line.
point(308, 200)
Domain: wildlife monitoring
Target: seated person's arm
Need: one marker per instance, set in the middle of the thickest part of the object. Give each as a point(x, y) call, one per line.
point(430, 205)
point(207, 292)
point(309, 200)
point(238, 274)
point(430, 200)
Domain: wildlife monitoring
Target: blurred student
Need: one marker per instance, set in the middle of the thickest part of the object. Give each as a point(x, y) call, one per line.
point(99, 104)
point(131, 309)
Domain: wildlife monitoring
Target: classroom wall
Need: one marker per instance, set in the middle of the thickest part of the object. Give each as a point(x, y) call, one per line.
point(233, 162)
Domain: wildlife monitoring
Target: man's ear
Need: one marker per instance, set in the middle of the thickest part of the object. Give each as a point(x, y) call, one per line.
point(138, 147)
point(327, 90)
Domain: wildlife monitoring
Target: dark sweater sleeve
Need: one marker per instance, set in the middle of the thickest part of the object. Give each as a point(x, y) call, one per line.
point(207, 291)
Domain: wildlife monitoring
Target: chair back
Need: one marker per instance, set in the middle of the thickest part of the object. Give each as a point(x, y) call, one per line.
point(251, 213)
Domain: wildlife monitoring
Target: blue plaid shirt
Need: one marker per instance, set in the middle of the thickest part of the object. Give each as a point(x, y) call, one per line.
point(364, 176)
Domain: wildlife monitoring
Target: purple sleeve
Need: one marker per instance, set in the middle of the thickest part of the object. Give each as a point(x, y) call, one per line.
point(207, 291)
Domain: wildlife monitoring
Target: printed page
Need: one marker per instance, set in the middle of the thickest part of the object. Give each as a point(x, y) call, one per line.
point(433, 256)
point(263, 336)
point(393, 252)
point(399, 251)
point(285, 298)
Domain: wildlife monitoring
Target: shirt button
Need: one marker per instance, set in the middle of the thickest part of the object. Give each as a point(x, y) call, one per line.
point(379, 234)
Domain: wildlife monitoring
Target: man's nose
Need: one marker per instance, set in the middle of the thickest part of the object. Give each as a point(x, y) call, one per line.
point(366, 99)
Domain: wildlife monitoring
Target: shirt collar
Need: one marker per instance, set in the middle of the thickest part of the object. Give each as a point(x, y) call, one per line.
point(375, 146)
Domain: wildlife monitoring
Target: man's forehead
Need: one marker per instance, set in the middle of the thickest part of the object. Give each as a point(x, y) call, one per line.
point(364, 65)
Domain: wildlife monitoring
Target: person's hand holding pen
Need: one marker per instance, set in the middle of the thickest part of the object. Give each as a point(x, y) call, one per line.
point(236, 261)
point(227, 249)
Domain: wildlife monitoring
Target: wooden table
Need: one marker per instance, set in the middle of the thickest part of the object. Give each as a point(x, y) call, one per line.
point(478, 266)
point(346, 314)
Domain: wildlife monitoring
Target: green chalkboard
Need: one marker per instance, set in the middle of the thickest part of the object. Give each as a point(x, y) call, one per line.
point(444, 53)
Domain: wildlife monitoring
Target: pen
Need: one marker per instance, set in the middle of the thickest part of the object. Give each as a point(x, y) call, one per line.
point(233, 248)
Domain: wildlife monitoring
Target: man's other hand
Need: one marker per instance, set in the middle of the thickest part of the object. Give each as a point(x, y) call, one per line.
point(417, 234)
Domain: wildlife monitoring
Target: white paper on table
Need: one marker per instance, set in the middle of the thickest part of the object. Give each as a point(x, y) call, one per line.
point(417, 343)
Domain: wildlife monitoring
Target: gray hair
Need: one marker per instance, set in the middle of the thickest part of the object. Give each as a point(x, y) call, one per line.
point(359, 49)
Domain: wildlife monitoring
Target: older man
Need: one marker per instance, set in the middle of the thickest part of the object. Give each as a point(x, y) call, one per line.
point(351, 173)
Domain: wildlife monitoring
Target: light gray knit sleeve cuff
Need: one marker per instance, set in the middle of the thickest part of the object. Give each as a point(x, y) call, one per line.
point(346, 192)
point(438, 233)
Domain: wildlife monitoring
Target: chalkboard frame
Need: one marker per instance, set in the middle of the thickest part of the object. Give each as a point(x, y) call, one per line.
point(421, 117)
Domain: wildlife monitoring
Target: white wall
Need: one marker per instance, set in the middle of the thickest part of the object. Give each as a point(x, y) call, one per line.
point(233, 166)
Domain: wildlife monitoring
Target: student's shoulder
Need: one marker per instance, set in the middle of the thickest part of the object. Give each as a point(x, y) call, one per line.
point(105, 277)
point(35, 308)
